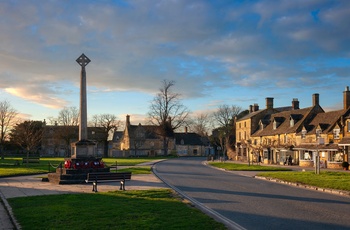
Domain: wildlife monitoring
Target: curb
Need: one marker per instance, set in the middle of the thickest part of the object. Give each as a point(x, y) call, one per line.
point(300, 185)
point(8, 209)
point(327, 190)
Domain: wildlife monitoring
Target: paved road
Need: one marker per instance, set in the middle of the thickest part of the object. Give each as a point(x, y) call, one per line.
point(249, 203)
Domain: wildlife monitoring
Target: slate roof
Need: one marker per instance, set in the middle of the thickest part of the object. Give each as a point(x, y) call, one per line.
point(277, 110)
point(189, 139)
point(326, 121)
point(298, 115)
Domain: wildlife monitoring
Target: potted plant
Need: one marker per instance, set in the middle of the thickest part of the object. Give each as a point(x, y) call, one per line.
point(345, 165)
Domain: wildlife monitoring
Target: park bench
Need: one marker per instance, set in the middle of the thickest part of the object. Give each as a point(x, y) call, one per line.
point(30, 160)
point(108, 176)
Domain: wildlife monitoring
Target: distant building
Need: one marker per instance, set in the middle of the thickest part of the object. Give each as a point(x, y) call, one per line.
point(145, 140)
point(56, 140)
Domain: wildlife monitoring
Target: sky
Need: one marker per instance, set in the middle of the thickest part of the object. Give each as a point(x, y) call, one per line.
point(232, 52)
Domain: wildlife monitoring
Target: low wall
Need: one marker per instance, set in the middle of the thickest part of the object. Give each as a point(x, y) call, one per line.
point(334, 165)
point(306, 163)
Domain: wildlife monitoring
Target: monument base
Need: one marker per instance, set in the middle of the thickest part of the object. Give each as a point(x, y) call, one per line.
point(82, 162)
point(83, 149)
point(75, 171)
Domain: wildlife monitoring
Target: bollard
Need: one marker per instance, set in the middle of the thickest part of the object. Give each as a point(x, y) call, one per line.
point(94, 186)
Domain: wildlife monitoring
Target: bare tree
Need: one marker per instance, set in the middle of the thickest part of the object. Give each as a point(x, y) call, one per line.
point(68, 116)
point(200, 124)
point(108, 123)
point(67, 120)
point(167, 112)
point(7, 120)
point(28, 135)
point(223, 118)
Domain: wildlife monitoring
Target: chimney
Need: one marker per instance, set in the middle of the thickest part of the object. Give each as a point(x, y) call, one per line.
point(250, 108)
point(346, 97)
point(315, 99)
point(295, 104)
point(255, 107)
point(186, 129)
point(269, 103)
point(127, 123)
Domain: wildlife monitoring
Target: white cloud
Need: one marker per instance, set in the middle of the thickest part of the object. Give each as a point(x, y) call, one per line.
point(204, 46)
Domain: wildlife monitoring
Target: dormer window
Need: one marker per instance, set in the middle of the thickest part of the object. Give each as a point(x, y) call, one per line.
point(303, 134)
point(336, 133)
point(318, 132)
point(291, 122)
point(261, 125)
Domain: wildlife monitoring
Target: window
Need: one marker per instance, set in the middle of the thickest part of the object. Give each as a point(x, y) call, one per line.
point(291, 122)
point(303, 134)
point(336, 133)
point(318, 133)
point(348, 124)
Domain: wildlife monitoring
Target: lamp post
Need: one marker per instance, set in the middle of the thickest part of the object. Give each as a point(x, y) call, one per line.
point(248, 143)
point(320, 141)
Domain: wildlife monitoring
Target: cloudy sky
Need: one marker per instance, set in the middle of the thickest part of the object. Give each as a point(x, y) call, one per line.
point(217, 52)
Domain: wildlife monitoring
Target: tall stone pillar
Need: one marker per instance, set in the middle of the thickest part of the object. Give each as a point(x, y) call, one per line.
point(83, 61)
point(83, 148)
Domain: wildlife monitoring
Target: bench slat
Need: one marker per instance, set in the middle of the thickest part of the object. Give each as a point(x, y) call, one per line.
point(108, 176)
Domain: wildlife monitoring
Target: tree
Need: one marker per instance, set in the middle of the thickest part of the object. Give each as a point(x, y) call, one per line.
point(200, 124)
point(167, 112)
point(28, 135)
point(68, 116)
point(67, 120)
point(224, 119)
point(108, 123)
point(7, 120)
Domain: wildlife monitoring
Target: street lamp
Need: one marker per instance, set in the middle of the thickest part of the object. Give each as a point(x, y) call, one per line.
point(320, 141)
point(249, 142)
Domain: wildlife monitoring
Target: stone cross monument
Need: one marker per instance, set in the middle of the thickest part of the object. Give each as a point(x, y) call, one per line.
point(83, 61)
point(83, 148)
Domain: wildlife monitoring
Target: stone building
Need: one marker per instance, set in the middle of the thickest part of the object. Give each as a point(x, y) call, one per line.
point(301, 134)
point(144, 140)
point(56, 140)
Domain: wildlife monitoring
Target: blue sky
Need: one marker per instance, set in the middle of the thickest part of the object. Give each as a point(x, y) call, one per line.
point(217, 52)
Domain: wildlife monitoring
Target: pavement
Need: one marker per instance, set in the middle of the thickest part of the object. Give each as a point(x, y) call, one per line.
point(32, 185)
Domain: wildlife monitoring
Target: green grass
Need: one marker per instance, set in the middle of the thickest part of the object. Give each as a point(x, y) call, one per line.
point(12, 166)
point(245, 167)
point(135, 170)
point(151, 209)
point(326, 179)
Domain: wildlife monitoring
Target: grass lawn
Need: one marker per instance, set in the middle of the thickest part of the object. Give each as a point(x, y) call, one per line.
point(12, 166)
point(151, 209)
point(245, 167)
point(326, 179)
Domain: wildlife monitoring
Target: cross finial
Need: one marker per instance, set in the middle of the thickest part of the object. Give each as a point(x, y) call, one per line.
point(83, 60)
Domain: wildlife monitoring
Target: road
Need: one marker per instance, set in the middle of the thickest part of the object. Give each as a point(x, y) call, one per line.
point(248, 203)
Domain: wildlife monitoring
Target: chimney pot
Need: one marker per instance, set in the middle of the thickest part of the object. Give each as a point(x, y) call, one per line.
point(269, 103)
point(346, 98)
point(295, 104)
point(315, 99)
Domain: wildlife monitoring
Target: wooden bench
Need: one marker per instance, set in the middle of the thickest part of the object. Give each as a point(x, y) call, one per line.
point(30, 160)
point(108, 176)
